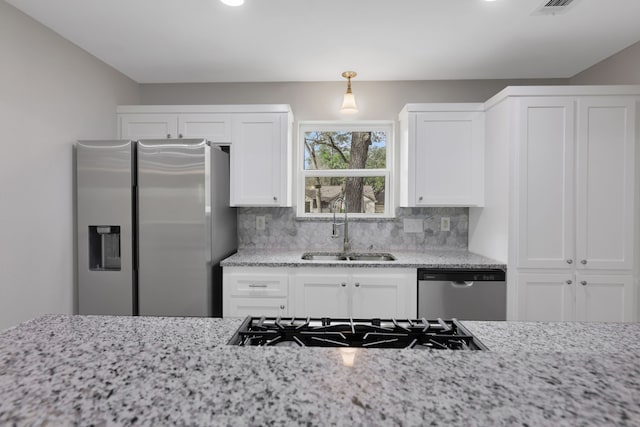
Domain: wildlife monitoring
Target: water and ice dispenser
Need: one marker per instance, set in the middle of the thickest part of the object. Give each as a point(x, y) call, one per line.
point(104, 248)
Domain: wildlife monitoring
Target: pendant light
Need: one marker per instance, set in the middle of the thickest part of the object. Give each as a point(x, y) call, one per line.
point(349, 101)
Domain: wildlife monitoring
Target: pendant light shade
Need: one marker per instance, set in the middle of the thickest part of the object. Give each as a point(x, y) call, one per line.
point(349, 101)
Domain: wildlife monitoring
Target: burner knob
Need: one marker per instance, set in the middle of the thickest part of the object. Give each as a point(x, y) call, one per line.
point(357, 284)
point(583, 283)
point(583, 262)
point(569, 282)
point(343, 284)
point(569, 261)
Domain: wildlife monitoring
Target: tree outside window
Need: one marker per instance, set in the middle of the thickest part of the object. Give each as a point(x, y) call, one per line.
point(345, 167)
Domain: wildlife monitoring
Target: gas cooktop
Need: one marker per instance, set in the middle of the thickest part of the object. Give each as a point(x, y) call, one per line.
point(367, 333)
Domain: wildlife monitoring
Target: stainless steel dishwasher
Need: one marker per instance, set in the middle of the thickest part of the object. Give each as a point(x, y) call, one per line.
point(462, 294)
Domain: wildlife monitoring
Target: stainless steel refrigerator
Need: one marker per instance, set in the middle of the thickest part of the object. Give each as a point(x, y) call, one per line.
point(153, 224)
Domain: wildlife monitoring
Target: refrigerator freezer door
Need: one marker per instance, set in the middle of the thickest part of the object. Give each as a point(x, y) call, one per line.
point(106, 280)
point(174, 237)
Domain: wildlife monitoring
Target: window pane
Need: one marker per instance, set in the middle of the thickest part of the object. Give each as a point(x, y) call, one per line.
point(358, 194)
point(345, 150)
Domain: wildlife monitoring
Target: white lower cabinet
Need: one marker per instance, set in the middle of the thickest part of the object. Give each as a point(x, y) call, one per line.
point(581, 297)
point(546, 297)
point(256, 306)
point(255, 291)
point(355, 292)
point(601, 298)
point(319, 292)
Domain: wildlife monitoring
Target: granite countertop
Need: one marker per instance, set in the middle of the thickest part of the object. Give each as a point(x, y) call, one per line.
point(113, 371)
point(431, 259)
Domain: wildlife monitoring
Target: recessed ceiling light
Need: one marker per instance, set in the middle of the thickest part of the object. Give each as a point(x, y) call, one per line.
point(233, 2)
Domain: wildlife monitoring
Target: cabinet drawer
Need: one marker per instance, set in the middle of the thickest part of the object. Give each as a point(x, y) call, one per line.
point(258, 285)
point(242, 307)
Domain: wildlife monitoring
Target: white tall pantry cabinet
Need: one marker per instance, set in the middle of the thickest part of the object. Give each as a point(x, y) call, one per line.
point(562, 201)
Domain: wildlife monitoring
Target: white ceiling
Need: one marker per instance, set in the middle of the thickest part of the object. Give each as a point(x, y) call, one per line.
point(159, 41)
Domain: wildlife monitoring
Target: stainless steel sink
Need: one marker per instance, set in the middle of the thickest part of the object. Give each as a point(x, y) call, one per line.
point(371, 257)
point(335, 256)
point(323, 256)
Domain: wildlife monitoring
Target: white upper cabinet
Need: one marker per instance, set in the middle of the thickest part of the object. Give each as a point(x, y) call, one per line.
point(147, 126)
point(605, 187)
point(576, 189)
point(212, 127)
point(546, 176)
point(259, 136)
point(261, 160)
point(442, 155)
point(141, 122)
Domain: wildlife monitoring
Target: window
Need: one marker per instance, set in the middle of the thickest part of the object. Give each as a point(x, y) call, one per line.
point(345, 167)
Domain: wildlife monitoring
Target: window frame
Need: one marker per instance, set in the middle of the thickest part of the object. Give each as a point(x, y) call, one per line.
point(387, 126)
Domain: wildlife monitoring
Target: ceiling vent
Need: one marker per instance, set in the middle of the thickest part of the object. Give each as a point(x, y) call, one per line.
point(553, 7)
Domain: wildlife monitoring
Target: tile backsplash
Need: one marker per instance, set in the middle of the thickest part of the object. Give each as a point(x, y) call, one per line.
point(283, 231)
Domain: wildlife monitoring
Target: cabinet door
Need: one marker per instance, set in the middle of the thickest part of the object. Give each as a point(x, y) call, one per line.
point(257, 166)
point(242, 307)
point(449, 159)
point(384, 295)
point(605, 187)
point(546, 297)
point(604, 298)
point(321, 295)
point(212, 127)
point(546, 184)
point(148, 126)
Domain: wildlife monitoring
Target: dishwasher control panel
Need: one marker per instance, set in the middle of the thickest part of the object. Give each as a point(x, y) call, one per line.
point(462, 275)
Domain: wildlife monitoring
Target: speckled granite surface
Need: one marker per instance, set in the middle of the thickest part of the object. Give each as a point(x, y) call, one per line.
point(111, 371)
point(429, 259)
point(575, 337)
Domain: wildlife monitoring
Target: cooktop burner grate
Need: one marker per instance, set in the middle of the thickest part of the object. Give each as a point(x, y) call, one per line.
point(365, 333)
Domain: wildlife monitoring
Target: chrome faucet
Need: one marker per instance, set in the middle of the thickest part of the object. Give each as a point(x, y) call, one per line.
point(346, 244)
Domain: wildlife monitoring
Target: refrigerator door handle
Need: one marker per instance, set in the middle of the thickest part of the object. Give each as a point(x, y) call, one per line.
point(134, 196)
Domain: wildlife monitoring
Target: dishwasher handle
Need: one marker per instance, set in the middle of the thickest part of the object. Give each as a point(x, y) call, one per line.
point(461, 284)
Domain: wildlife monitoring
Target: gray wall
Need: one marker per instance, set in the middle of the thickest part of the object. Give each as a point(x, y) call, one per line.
point(621, 68)
point(321, 100)
point(52, 93)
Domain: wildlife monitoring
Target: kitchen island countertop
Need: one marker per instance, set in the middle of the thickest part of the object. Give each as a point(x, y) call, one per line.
point(101, 370)
point(404, 259)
